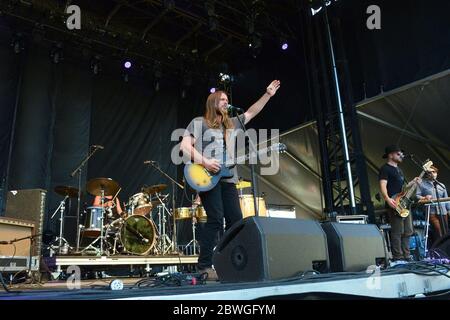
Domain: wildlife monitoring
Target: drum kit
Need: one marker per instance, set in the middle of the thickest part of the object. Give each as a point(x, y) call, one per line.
point(113, 231)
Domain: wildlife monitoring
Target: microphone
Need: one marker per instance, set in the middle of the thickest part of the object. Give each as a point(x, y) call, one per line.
point(4, 242)
point(150, 162)
point(96, 146)
point(231, 108)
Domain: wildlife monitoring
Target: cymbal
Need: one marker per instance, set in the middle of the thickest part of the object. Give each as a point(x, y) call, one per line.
point(108, 185)
point(71, 192)
point(243, 184)
point(157, 188)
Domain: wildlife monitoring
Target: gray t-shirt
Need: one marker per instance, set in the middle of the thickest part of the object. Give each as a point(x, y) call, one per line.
point(209, 142)
point(426, 188)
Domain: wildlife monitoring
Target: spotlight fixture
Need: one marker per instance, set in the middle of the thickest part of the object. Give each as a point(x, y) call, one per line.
point(17, 43)
point(210, 8)
point(56, 53)
point(317, 5)
point(127, 64)
point(212, 23)
point(95, 65)
point(169, 4)
point(225, 78)
point(212, 90)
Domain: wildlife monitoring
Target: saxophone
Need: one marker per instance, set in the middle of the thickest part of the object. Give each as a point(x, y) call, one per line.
point(405, 199)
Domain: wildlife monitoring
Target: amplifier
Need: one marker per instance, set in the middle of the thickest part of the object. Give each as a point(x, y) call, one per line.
point(359, 219)
point(28, 205)
point(16, 257)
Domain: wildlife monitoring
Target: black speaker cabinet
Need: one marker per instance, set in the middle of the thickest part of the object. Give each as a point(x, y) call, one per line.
point(261, 248)
point(441, 247)
point(354, 247)
point(28, 205)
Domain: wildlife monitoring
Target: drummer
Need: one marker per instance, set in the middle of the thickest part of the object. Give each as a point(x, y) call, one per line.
point(116, 209)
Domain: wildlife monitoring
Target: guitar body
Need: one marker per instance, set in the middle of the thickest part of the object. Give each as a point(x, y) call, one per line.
point(403, 204)
point(404, 199)
point(201, 179)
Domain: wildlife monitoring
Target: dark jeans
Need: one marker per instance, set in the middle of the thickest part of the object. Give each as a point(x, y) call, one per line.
point(401, 231)
point(220, 202)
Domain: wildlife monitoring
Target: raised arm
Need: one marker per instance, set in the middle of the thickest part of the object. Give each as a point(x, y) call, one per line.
point(259, 105)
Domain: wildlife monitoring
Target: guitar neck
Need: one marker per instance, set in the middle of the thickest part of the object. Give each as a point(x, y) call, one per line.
point(424, 201)
point(247, 156)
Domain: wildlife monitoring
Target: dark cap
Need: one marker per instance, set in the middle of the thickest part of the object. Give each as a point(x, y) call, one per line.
point(390, 149)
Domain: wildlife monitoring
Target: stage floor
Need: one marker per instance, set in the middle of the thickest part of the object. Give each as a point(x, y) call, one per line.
point(412, 280)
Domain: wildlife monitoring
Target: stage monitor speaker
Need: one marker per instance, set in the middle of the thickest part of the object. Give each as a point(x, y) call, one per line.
point(441, 247)
point(28, 205)
point(354, 247)
point(261, 248)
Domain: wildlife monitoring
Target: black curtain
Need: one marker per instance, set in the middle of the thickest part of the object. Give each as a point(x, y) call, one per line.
point(134, 123)
point(9, 79)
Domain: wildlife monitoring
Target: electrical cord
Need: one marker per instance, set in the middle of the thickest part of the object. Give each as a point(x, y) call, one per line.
point(2, 280)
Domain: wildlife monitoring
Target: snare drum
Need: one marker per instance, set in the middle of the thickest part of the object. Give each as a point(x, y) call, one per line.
point(248, 207)
point(140, 204)
point(93, 222)
point(183, 213)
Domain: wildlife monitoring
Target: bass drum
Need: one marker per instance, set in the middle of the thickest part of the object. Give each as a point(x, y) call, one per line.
point(248, 205)
point(134, 235)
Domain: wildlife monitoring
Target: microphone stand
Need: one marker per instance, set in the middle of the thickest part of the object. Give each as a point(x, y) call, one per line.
point(174, 235)
point(252, 169)
point(78, 170)
point(31, 248)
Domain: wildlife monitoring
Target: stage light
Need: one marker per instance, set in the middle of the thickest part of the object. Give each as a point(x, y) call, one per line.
point(95, 65)
point(316, 6)
point(56, 53)
point(284, 46)
point(127, 64)
point(315, 11)
point(169, 4)
point(17, 43)
point(212, 90)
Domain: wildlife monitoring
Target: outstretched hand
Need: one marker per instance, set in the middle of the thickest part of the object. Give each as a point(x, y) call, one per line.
point(273, 87)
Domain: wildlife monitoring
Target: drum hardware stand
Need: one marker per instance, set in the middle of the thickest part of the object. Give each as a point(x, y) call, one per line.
point(193, 242)
point(79, 170)
point(100, 251)
point(60, 239)
point(165, 244)
point(154, 164)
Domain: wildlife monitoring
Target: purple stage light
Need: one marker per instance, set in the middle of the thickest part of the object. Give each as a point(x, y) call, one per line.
point(127, 64)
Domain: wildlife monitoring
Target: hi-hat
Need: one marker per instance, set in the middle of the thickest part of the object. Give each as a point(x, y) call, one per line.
point(108, 185)
point(157, 188)
point(71, 192)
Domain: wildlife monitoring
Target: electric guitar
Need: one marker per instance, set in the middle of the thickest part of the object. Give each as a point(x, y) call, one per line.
point(201, 180)
point(405, 199)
